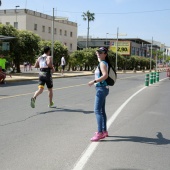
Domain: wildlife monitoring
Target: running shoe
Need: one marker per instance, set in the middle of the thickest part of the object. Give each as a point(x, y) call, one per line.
point(105, 133)
point(33, 102)
point(51, 105)
point(97, 137)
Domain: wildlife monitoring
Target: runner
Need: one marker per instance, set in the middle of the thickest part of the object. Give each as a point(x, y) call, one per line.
point(44, 62)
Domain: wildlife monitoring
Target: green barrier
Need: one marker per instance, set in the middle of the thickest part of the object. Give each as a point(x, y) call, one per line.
point(147, 80)
point(154, 77)
point(151, 78)
point(157, 77)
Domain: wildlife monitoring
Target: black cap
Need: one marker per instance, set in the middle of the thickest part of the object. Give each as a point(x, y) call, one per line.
point(103, 49)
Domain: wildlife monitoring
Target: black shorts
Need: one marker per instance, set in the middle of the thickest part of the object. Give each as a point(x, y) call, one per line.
point(45, 78)
point(63, 66)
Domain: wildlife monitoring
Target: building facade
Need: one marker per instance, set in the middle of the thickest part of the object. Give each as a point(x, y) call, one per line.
point(23, 19)
point(126, 47)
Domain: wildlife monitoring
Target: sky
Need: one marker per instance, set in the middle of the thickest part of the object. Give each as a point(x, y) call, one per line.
point(135, 18)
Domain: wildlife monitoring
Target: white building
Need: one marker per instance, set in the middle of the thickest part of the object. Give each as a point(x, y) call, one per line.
point(23, 19)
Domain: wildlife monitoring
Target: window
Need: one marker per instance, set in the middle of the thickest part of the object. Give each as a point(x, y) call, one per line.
point(43, 28)
point(35, 27)
point(7, 23)
point(55, 30)
point(65, 44)
point(71, 34)
point(71, 46)
point(60, 31)
point(65, 33)
point(16, 25)
point(49, 29)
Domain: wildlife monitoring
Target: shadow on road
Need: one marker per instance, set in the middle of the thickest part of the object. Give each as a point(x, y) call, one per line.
point(67, 110)
point(160, 140)
point(21, 83)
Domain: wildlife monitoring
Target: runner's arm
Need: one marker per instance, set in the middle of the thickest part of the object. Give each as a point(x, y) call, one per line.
point(36, 64)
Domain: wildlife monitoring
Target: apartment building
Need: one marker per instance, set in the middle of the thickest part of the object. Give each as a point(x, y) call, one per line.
point(24, 19)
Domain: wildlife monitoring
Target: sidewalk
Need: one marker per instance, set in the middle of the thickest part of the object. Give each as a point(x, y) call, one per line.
point(33, 75)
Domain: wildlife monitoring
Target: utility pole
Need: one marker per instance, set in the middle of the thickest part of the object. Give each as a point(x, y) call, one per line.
point(52, 37)
point(116, 47)
point(151, 55)
point(16, 16)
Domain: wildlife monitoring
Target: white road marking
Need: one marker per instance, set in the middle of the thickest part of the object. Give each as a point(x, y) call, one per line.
point(91, 148)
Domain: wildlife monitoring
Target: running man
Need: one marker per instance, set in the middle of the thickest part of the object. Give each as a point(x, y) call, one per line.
point(44, 62)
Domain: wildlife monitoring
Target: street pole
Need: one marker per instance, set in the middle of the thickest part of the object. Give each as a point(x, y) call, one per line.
point(116, 48)
point(16, 16)
point(52, 48)
point(163, 54)
point(156, 60)
point(106, 39)
point(151, 55)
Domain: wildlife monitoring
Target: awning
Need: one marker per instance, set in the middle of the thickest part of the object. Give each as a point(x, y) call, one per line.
point(3, 37)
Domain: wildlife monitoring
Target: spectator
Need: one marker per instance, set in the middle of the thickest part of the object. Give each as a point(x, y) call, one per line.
point(25, 66)
point(63, 63)
point(3, 63)
point(2, 76)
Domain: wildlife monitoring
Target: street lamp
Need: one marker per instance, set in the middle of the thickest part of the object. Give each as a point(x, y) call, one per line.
point(16, 16)
point(151, 55)
point(106, 39)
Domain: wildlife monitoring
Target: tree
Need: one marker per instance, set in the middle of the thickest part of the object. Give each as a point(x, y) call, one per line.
point(23, 47)
point(89, 17)
point(27, 48)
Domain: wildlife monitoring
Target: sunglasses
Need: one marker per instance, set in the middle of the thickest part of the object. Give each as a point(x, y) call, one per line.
point(101, 52)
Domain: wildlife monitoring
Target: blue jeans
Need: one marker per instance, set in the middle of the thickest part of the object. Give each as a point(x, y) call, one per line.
point(99, 107)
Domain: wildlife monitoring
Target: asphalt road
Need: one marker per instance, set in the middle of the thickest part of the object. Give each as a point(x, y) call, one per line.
point(59, 138)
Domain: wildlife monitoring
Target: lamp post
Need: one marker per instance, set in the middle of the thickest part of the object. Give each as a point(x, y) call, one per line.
point(116, 47)
point(16, 16)
point(151, 55)
point(52, 36)
point(106, 39)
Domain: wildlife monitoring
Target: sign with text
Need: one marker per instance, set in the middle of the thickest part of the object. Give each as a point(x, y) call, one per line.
point(123, 47)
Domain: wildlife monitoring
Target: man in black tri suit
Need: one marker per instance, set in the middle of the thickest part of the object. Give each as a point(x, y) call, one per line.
point(45, 64)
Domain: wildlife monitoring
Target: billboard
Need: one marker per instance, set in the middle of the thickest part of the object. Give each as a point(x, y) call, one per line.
point(123, 47)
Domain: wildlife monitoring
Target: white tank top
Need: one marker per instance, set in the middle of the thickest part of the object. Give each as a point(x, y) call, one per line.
point(42, 61)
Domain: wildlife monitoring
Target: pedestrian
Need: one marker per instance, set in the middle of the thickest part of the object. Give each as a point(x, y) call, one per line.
point(45, 64)
point(102, 90)
point(63, 63)
point(2, 76)
point(30, 66)
point(25, 66)
point(3, 62)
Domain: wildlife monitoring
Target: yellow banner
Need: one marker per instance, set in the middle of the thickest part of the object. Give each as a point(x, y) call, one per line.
point(123, 47)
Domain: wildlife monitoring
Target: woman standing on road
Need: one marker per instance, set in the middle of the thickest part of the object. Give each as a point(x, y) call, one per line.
point(102, 90)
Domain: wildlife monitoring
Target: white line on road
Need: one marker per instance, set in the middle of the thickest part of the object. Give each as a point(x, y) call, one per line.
point(91, 147)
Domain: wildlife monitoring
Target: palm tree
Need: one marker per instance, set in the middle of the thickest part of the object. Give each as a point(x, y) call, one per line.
point(89, 17)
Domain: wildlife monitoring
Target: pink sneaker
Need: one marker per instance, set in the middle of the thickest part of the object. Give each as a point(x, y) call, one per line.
point(97, 137)
point(105, 133)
